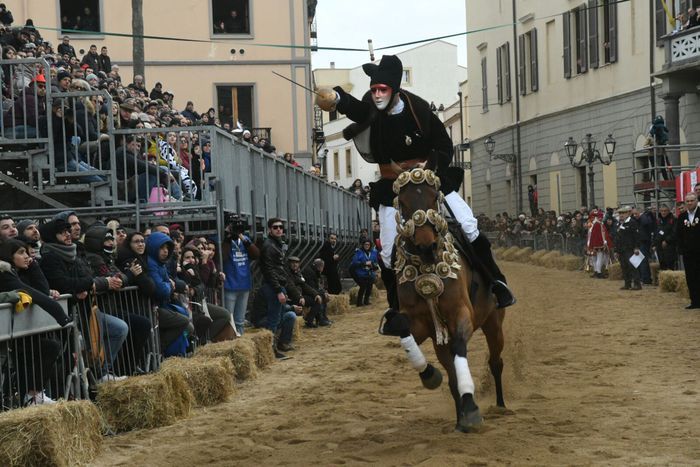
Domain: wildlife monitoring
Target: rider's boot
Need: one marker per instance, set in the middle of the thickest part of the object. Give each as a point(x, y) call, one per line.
point(393, 323)
point(482, 249)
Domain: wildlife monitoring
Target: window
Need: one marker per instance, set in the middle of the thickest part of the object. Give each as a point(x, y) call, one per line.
point(348, 162)
point(503, 73)
point(336, 165)
point(602, 31)
point(406, 78)
point(484, 87)
point(527, 67)
point(230, 16)
point(81, 15)
point(235, 104)
point(575, 40)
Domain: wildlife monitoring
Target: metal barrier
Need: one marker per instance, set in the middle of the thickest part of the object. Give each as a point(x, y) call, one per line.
point(24, 104)
point(36, 356)
point(544, 241)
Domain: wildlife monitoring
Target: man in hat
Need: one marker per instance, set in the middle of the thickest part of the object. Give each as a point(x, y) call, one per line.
point(688, 238)
point(302, 294)
point(394, 126)
point(627, 245)
point(63, 81)
point(28, 232)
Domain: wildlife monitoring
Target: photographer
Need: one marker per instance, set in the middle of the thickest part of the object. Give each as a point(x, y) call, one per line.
point(238, 251)
point(364, 266)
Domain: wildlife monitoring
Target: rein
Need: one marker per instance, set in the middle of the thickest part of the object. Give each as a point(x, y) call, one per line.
point(429, 279)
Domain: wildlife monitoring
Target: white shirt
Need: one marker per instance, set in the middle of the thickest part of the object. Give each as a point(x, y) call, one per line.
point(691, 215)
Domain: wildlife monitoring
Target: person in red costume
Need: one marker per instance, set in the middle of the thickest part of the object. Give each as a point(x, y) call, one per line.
point(599, 243)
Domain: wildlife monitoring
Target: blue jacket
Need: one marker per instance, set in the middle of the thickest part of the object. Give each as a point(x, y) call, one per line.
point(158, 270)
point(237, 267)
point(358, 263)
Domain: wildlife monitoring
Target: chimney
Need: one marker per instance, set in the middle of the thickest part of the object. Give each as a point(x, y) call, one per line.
point(332, 65)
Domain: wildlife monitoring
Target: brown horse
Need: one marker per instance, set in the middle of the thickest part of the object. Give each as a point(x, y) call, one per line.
point(434, 283)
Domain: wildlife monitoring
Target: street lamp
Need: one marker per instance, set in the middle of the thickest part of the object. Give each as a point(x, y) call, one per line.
point(588, 156)
point(490, 145)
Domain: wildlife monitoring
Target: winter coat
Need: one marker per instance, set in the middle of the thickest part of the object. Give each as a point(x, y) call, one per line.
point(314, 278)
point(331, 267)
point(104, 63)
point(126, 257)
point(272, 263)
point(359, 260)
point(157, 270)
point(627, 236)
point(297, 288)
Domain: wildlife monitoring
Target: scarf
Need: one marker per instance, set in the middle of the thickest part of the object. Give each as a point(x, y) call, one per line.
point(67, 253)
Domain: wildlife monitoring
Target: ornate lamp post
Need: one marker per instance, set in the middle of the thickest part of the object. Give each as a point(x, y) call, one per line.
point(588, 156)
point(490, 145)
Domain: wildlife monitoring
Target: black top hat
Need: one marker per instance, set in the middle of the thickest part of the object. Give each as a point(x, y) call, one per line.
point(389, 72)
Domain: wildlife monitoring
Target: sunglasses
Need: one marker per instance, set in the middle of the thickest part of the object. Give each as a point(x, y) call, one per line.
point(277, 227)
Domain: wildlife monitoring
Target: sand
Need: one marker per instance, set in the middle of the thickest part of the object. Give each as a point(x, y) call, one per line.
point(593, 375)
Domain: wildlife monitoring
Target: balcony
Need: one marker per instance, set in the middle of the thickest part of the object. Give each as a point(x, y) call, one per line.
point(682, 51)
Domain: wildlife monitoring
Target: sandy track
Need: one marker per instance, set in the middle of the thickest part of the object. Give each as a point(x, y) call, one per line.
point(593, 375)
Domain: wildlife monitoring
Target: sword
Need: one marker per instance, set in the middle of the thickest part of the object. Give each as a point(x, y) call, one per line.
point(294, 82)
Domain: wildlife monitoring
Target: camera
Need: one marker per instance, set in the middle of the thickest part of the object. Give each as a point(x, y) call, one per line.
point(235, 224)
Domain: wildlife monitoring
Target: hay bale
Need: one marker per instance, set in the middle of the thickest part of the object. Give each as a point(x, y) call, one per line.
point(550, 259)
point(509, 253)
point(210, 379)
point(523, 255)
point(670, 281)
point(297, 336)
point(615, 272)
point(240, 351)
point(353, 291)
point(264, 356)
point(683, 287)
point(338, 304)
point(568, 263)
point(62, 434)
point(654, 273)
point(380, 283)
point(537, 256)
point(498, 252)
point(148, 401)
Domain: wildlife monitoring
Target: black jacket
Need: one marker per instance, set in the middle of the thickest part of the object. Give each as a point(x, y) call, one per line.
point(273, 264)
point(298, 288)
point(66, 49)
point(688, 235)
point(68, 277)
point(331, 267)
point(665, 231)
point(104, 63)
point(35, 285)
point(627, 236)
point(314, 278)
point(90, 60)
point(125, 259)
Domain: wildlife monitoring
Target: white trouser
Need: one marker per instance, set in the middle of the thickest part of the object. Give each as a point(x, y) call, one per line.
point(387, 232)
point(463, 214)
point(601, 257)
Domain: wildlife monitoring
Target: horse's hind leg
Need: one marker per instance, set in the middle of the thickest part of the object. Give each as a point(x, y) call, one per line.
point(493, 330)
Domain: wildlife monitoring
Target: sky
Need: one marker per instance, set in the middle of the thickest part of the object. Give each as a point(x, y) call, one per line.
point(343, 23)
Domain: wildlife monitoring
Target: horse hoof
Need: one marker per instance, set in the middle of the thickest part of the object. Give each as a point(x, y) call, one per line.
point(470, 423)
point(431, 377)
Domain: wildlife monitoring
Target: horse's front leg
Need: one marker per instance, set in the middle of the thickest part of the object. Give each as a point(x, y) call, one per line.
point(413, 334)
point(468, 415)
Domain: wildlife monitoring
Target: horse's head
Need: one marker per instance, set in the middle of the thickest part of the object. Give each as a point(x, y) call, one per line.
point(418, 203)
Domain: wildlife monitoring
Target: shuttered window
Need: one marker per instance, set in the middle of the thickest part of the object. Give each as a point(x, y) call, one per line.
point(660, 22)
point(528, 74)
point(566, 22)
point(522, 65)
point(593, 32)
point(611, 55)
point(484, 87)
point(534, 72)
point(499, 76)
point(581, 40)
point(503, 73)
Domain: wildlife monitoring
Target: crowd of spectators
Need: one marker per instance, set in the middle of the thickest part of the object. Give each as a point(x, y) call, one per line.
point(688, 20)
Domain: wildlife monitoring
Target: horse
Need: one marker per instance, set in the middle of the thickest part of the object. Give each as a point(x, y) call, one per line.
point(444, 298)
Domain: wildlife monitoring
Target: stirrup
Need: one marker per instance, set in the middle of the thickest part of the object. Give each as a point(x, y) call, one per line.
point(504, 297)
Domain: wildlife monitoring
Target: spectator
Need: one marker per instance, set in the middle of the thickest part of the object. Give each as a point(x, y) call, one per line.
point(627, 244)
point(331, 258)
point(238, 251)
point(357, 188)
point(665, 239)
point(6, 18)
point(29, 106)
point(658, 136)
point(139, 84)
point(273, 289)
point(688, 239)
point(313, 274)
point(302, 294)
point(120, 235)
point(28, 232)
point(289, 158)
point(133, 262)
point(91, 59)
point(104, 63)
point(647, 227)
point(532, 199)
point(38, 355)
point(87, 22)
point(157, 92)
point(67, 272)
point(189, 112)
point(172, 316)
point(234, 24)
point(8, 228)
point(364, 266)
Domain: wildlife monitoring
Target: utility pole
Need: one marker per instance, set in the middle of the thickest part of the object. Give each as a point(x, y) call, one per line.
point(518, 159)
point(139, 58)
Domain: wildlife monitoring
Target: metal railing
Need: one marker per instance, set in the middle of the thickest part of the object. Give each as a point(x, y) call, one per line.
point(545, 241)
point(24, 105)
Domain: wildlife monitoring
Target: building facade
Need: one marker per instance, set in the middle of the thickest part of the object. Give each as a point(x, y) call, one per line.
point(431, 71)
point(207, 54)
point(567, 69)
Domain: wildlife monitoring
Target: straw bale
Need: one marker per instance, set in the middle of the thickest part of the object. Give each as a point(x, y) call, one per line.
point(62, 434)
point(550, 259)
point(240, 351)
point(147, 401)
point(568, 263)
point(338, 304)
point(497, 252)
point(537, 256)
point(509, 253)
point(352, 294)
point(654, 273)
point(210, 379)
point(264, 356)
point(523, 255)
point(297, 336)
point(380, 283)
point(615, 272)
point(683, 286)
point(670, 281)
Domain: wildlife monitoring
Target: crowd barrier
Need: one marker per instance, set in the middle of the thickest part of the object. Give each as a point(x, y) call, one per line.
point(546, 241)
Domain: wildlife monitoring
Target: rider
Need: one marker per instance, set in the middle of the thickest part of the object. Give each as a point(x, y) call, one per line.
point(394, 125)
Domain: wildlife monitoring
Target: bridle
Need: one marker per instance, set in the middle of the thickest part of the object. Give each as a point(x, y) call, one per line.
point(429, 278)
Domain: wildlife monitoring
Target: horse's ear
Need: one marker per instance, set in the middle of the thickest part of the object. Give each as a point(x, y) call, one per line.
point(432, 161)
